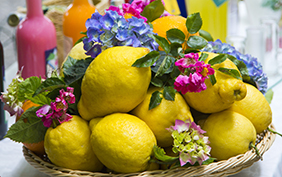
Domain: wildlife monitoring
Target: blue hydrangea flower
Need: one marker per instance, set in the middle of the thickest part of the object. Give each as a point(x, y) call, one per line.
point(254, 67)
point(112, 29)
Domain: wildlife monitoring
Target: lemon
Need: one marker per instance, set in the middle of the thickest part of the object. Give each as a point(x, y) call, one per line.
point(229, 133)
point(255, 107)
point(163, 116)
point(123, 142)
point(221, 95)
point(111, 84)
point(68, 145)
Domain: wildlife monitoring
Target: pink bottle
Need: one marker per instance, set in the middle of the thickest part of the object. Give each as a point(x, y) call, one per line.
point(36, 42)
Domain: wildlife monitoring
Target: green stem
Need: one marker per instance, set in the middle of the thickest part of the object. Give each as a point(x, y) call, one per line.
point(256, 149)
point(272, 131)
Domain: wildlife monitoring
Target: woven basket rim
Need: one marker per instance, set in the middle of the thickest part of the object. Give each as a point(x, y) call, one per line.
point(227, 167)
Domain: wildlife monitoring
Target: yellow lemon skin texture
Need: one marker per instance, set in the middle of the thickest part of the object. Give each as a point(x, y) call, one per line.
point(163, 116)
point(111, 84)
point(123, 143)
point(255, 107)
point(222, 94)
point(68, 145)
point(229, 133)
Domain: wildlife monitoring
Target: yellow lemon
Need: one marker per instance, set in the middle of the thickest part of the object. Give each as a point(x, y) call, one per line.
point(68, 145)
point(221, 95)
point(229, 133)
point(111, 84)
point(163, 116)
point(255, 107)
point(123, 142)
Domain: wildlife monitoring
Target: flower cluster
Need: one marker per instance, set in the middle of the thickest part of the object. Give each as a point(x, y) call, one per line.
point(189, 142)
point(10, 98)
point(57, 111)
point(113, 29)
point(254, 67)
point(193, 74)
point(135, 8)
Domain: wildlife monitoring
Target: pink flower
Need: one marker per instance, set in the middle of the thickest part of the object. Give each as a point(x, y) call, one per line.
point(193, 74)
point(57, 110)
point(180, 126)
point(117, 9)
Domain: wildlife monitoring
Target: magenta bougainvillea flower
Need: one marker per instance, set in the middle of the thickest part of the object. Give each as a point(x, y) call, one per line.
point(135, 8)
point(193, 74)
point(57, 111)
point(189, 142)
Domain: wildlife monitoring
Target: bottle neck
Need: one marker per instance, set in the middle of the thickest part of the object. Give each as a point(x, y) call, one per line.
point(34, 8)
point(81, 2)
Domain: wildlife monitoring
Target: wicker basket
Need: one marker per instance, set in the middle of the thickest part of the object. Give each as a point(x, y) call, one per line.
point(222, 168)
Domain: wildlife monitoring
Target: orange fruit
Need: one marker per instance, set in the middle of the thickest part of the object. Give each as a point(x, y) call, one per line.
point(163, 24)
point(37, 148)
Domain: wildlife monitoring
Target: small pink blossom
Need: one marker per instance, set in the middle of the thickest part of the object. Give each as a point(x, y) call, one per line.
point(193, 74)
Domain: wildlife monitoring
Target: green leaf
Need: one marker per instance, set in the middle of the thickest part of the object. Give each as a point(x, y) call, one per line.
point(165, 65)
point(231, 72)
point(162, 42)
point(41, 99)
point(49, 84)
point(175, 72)
point(155, 100)
point(76, 71)
point(69, 62)
point(174, 35)
point(194, 23)
point(79, 40)
point(203, 56)
point(28, 87)
point(148, 60)
point(153, 10)
point(218, 59)
point(176, 49)
point(157, 82)
point(212, 79)
point(269, 95)
point(242, 68)
point(206, 35)
point(31, 131)
point(196, 42)
point(159, 154)
point(169, 93)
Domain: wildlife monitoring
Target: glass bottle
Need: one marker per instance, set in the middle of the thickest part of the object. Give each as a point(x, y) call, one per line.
point(36, 42)
point(3, 121)
point(74, 20)
point(214, 16)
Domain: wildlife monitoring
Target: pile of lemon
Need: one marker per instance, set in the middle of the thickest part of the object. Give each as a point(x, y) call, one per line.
point(117, 131)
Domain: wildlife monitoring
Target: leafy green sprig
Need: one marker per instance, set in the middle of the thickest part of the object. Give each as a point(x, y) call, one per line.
point(29, 128)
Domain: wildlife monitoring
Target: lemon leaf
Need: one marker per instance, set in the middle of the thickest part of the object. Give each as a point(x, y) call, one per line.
point(206, 35)
point(153, 10)
point(212, 79)
point(203, 57)
point(28, 87)
point(157, 82)
point(218, 59)
point(169, 93)
point(231, 72)
point(165, 65)
point(49, 84)
point(160, 154)
point(269, 95)
point(148, 60)
point(162, 42)
point(176, 49)
point(174, 35)
point(196, 42)
point(76, 71)
point(31, 131)
point(194, 23)
point(242, 68)
point(155, 100)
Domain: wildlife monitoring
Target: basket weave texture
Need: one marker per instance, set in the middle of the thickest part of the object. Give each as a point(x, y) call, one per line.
point(222, 168)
